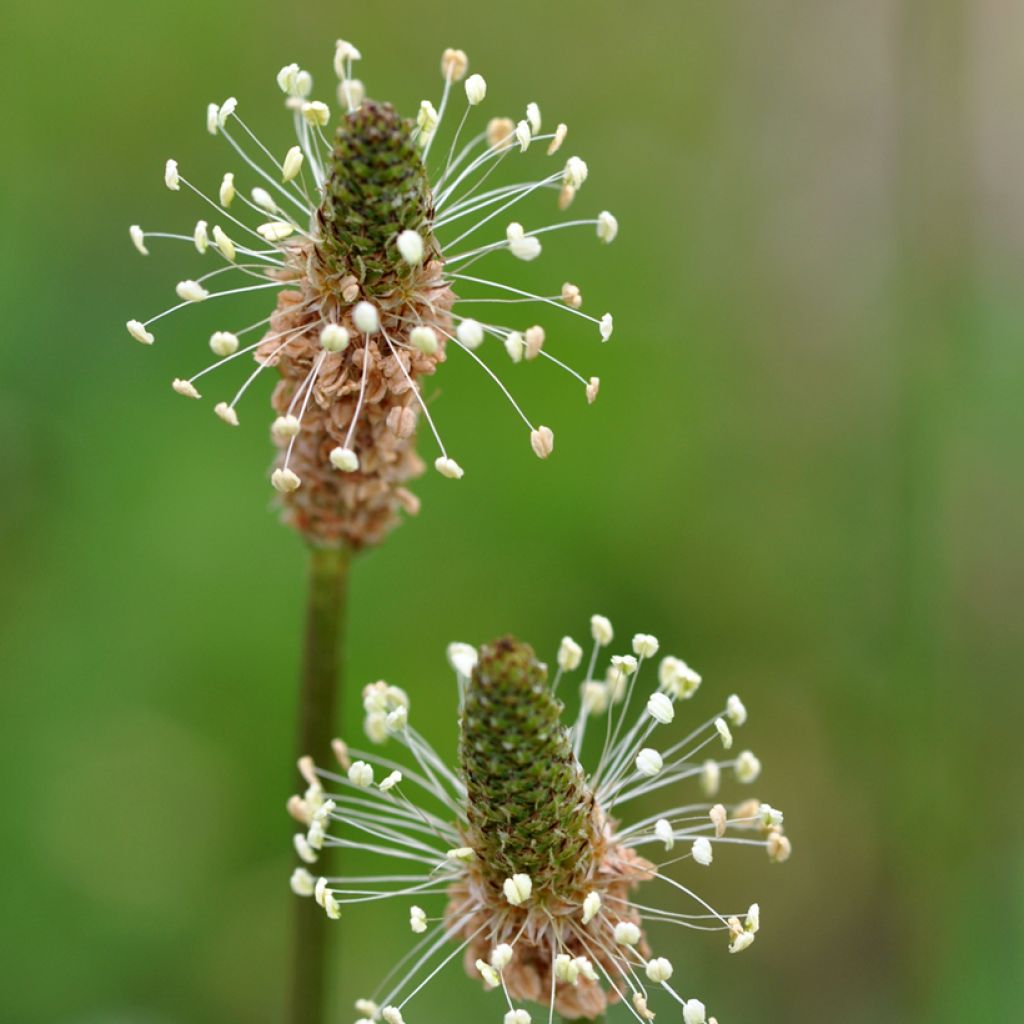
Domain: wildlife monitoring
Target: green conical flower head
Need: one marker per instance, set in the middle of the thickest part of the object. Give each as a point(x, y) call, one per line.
point(528, 805)
point(376, 187)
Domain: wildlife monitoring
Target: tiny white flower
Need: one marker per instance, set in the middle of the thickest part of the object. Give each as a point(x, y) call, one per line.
point(517, 889)
point(591, 906)
point(138, 331)
point(138, 239)
point(448, 467)
point(223, 343)
point(748, 767)
point(664, 831)
point(470, 333)
point(601, 630)
point(645, 645)
point(659, 970)
point(410, 247)
point(722, 727)
point(361, 774)
point(570, 654)
point(660, 708)
point(627, 933)
point(607, 227)
point(476, 89)
point(649, 762)
point(333, 338)
point(735, 711)
point(366, 318)
point(701, 850)
point(677, 678)
point(344, 459)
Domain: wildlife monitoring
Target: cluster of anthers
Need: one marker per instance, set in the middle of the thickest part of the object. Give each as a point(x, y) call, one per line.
point(537, 870)
point(365, 238)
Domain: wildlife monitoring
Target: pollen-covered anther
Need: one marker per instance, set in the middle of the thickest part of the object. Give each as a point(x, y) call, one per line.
point(212, 118)
point(748, 767)
point(517, 889)
point(302, 882)
point(649, 762)
point(571, 295)
point(138, 237)
point(223, 343)
point(191, 291)
point(724, 732)
point(476, 90)
point(351, 93)
point(607, 227)
point(448, 467)
point(275, 230)
point(601, 630)
point(515, 345)
point(285, 427)
point(606, 326)
point(137, 329)
point(285, 480)
point(659, 970)
point(366, 318)
point(591, 906)
point(694, 1012)
point(200, 236)
point(316, 113)
point(390, 781)
point(533, 117)
point(361, 774)
point(171, 177)
point(226, 413)
point(488, 973)
point(534, 341)
point(292, 164)
point(702, 851)
point(454, 65)
point(542, 440)
point(517, 1017)
point(779, 847)
point(719, 819)
point(559, 137)
point(575, 172)
point(417, 920)
point(522, 246)
point(570, 654)
point(224, 244)
point(664, 831)
point(735, 710)
point(185, 387)
point(676, 678)
point(470, 333)
point(593, 386)
point(627, 933)
point(392, 1015)
point(424, 339)
point(645, 645)
point(334, 338)
point(660, 708)
point(410, 247)
point(523, 135)
point(501, 133)
point(227, 190)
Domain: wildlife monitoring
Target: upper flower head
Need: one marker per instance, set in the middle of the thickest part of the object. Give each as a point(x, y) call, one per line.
point(367, 235)
point(536, 862)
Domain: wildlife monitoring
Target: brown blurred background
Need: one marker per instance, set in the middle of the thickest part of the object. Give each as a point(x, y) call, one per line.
point(803, 474)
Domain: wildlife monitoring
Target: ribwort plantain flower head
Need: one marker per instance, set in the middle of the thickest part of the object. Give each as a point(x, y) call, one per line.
point(525, 864)
point(369, 236)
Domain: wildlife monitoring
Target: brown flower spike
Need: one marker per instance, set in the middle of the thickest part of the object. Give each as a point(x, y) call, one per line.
point(348, 230)
point(537, 873)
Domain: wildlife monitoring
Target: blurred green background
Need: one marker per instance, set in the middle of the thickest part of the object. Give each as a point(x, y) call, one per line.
point(803, 474)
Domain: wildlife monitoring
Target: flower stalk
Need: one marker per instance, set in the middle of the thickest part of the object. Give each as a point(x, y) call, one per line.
point(320, 684)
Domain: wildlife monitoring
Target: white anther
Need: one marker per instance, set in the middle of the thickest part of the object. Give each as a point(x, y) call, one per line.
point(476, 89)
point(748, 767)
point(640, 1005)
point(522, 246)
point(664, 831)
point(226, 413)
point(426, 119)
point(500, 133)
point(454, 65)
point(523, 135)
point(693, 1012)
point(606, 326)
point(200, 236)
point(627, 933)
point(417, 920)
point(575, 172)
point(351, 93)
point(424, 339)
point(601, 630)
point(585, 967)
point(227, 190)
point(285, 427)
point(361, 774)
point(462, 853)
point(607, 227)
point(334, 338)
point(735, 711)
point(410, 246)
point(302, 882)
point(470, 333)
point(517, 889)
point(741, 942)
point(571, 295)
point(223, 343)
point(226, 246)
point(138, 331)
point(701, 850)
point(515, 346)
point(448, 467)
point(594, 697)
point(556, 143)
point(488, 973)
point(533, 116)
point(649, 762)
point(227, 108)
point(660, 708)
point(171, 178)
point(263, 199)
point(722, 728)
point(542, 441)
point(375, 725)
point(275, 230)
point(185, 387)
point(367, 1007)
point(285, 480)
point(534, 341)
point(591, 906)
point(710, 777)
point(566, 971)
point(753, 919)
point(659, 970)
point(570, 654)
point(303, 849)
point(191, 291)
point(343, 53)
point(645, 645)
point(719, 819)
point(593, 385)
point(677, 678)
point(462, 658)
point(212, 118)
point(779, 847)
point(390, 781)
point(501, 956)
point(366, 318)
point(316, 113)
point(392, 1015)
point(397, 720)
point(292, 164)
point(138, 239)
point(517, 1017)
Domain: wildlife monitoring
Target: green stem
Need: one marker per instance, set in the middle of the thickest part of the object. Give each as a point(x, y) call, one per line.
point(322, 673)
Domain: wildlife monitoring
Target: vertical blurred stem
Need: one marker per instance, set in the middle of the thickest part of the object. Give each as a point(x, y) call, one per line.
point(322, 668)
